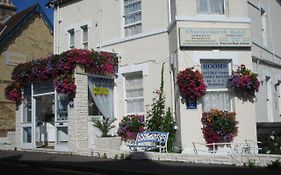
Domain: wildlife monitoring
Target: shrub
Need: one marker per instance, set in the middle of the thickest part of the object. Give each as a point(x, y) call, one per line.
point(104, 126)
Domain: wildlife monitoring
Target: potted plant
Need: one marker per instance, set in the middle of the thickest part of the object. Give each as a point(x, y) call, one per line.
point(129, 126)
point(244, 83)
point(219, 126)
point(106, 141)
point(191, 85)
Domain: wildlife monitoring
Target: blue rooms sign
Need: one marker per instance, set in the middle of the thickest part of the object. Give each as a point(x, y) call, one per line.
point(215, 75)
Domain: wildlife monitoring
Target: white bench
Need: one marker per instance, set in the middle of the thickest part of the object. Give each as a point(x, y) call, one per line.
point(150, 140)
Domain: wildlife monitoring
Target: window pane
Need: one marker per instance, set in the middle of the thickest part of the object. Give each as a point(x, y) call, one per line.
point(27, 104)
point(92, 107)
point(217, 7)
point(43, 87)
point(62, 135)
point(210, 7)
point(62, 107)
point(135, 106)
point(27, 135)
point(219, 100)
point(85, 34)
point(202, 6)
point(71, 38)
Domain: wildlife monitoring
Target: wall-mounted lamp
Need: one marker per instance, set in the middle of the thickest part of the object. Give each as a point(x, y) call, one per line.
point(265, 79)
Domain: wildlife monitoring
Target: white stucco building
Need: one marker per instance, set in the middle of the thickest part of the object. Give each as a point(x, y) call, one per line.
point(145, 34)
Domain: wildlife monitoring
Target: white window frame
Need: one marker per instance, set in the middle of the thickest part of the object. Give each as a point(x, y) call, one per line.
point(213, 14)
point(71, 33)
point(85, 43)
point(139, 73)
point(132, 24)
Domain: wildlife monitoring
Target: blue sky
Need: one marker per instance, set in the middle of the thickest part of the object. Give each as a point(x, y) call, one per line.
point(23, 4)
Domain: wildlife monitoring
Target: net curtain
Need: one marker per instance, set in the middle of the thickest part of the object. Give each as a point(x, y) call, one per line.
point(103, 102)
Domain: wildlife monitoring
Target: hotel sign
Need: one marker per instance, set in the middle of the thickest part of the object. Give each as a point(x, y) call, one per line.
point(215, 37)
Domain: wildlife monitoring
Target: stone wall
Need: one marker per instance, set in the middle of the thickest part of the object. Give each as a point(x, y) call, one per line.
point(78, 117)
point(33, 40)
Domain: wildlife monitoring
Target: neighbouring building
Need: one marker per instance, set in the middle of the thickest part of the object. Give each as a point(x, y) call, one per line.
point(214, 36)
point(23, 37)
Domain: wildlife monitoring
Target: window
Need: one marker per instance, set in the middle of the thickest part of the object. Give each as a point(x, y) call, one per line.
point(85, 36)
point(62, 107)
point(216, 76)
point(132, 15)
point(27, 104)
point(100, 99)
point(269, 104)
point(71, 38)
point(134, 93)
point(211, 7)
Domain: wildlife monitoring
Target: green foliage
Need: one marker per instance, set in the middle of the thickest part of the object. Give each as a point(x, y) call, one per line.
point(157, 118)
point(122, 156)
point(104, 126)
point(104, 156)
point(270, 143)
point(275, 164)
point(251, 164)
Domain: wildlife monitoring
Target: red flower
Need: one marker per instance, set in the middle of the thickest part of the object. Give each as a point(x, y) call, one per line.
point(60, 69)
point(191, 84)
point(219, 126)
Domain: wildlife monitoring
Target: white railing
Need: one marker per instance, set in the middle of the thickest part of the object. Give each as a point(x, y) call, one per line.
point(247, 147)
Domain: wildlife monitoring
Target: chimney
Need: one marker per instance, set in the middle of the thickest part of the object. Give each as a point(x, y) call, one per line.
point(7, 9)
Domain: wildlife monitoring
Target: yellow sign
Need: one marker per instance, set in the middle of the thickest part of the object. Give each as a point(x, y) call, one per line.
point(100, 91)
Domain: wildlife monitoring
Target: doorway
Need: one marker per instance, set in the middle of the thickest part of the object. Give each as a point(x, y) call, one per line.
point(44, 111)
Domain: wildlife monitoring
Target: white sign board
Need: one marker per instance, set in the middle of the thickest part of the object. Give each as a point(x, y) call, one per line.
point(215, 75)
point(215, 37)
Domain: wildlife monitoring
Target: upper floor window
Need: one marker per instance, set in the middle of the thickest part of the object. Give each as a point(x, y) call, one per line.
point(71, 38)
point(211, 7)
point(132, 15)
point(85, 36)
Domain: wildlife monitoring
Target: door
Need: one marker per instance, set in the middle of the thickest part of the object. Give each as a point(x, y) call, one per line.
point(44, 114)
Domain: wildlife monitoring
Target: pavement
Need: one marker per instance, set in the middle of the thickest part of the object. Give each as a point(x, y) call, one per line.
point(93, 165)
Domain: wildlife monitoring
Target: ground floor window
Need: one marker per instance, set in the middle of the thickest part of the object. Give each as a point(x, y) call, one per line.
point(100, 100)
point(216, 73)
point(134, 93)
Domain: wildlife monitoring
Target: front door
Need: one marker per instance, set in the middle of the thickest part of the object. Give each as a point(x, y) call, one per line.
point(44, 116)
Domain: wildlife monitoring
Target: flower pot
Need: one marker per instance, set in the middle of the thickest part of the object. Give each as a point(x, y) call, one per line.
point(108, 143)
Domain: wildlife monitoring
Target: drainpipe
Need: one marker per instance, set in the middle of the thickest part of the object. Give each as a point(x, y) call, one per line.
point(270, 25)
